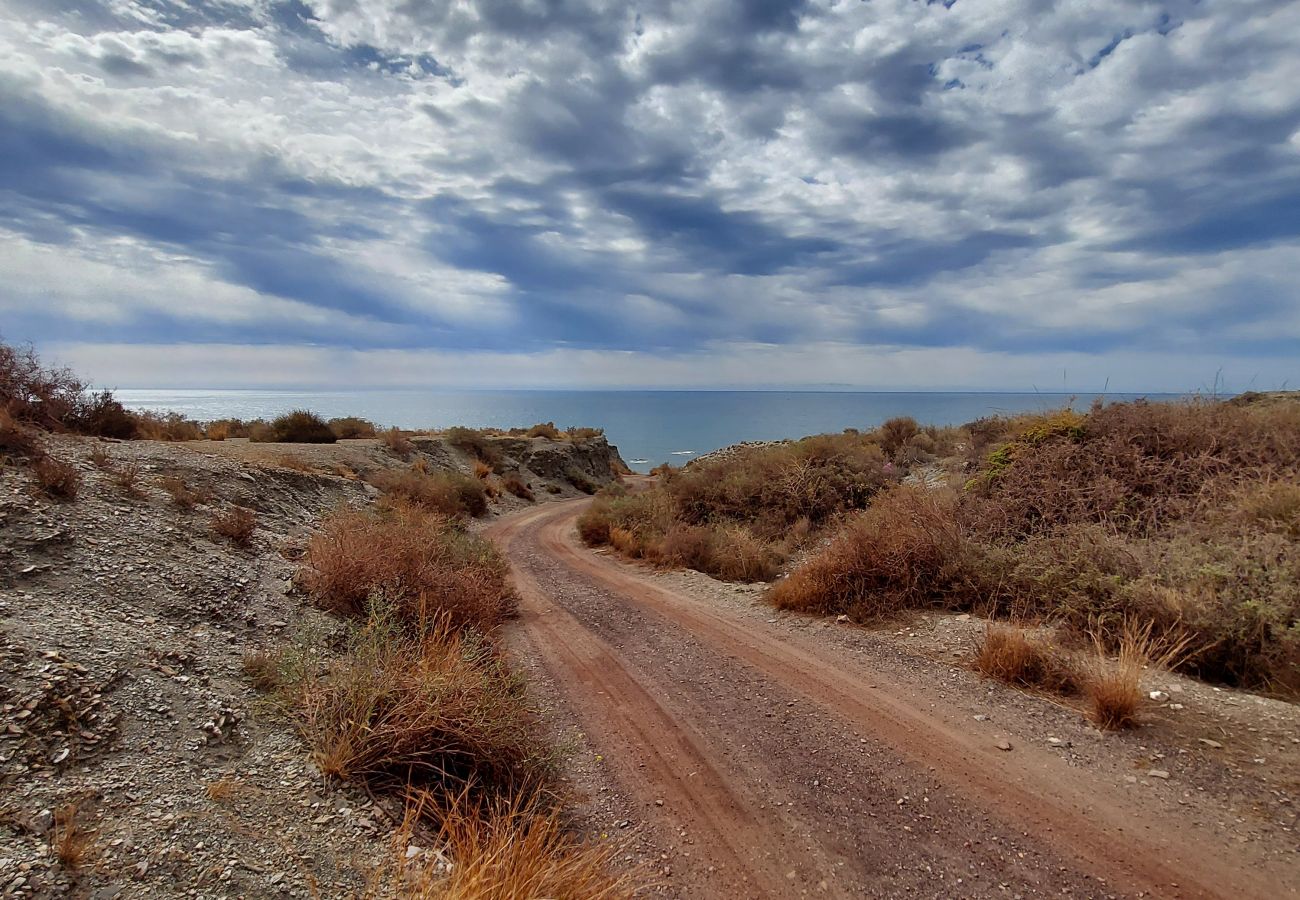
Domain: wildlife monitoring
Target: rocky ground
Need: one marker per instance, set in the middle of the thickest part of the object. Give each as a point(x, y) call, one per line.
point(135, 757)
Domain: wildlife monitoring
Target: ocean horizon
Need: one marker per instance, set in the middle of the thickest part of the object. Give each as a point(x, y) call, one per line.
point(649, 426)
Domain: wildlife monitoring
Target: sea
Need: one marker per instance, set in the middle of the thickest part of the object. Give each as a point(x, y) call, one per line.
point(648, 427)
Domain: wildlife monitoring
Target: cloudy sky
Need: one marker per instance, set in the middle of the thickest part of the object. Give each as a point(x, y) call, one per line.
point(881, 193)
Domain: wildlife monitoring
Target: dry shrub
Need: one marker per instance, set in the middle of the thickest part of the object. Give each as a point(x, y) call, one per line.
point(425, 707)
point(99, 457)
point(16, 439)
point(579, 434)
point(509, 850)
point(418, 560)
point(906, 550)
point(224, 789)
point(1114, 689)
point(301, 426)
point(127, 479)
point(154, 426)
point(218, 431)
point(546, 430)
point(481, 470)
point(182, 494)
point(1274, 506)
point(349, 427)
point(1009, 654)
point(449, 493)
point(397, 443)
point(263, 670)
point(72, 843)
point(476, 443)
point(236, 524)
point(896, 433)
point(56, 479)
point(515, 485)
point(731, 553)
point(293, 461)
point(581, 480)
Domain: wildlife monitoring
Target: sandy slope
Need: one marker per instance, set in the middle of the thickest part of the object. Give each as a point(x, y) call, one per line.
point(754, 755)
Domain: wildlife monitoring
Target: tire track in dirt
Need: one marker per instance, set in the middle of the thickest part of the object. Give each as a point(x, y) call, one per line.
point(1081, 819)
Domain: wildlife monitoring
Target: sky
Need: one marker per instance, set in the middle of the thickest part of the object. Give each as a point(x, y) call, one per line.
point(893, 194)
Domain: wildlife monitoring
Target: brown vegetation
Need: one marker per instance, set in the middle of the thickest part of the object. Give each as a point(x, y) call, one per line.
point(418, 561)
point(56, 479)
point(515, 485)
point(1177, 515)
point(182, 494)
point(301, 426)
point(72, 843)
point(449, 493)
point(236, 524)
point(127, 479)
point(1009, 654)
point(348, 427)
point(396, 442)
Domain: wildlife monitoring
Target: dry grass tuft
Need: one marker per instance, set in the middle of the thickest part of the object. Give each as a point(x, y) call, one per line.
point(56, 479)
point(293, 461)
point(218, 431)
point(515, 485)
point(423, 707)
point(482, 471)
point(1009, 654)
point(450, 493)
point(513, 850)
point(397, 443)
point(224, 789)
point(417, 560)
point(1114, 689)
point(99, 457)
point(73, 844)
point(236, 524)
point(182, 494)
point(127, 480)
point(263, 670)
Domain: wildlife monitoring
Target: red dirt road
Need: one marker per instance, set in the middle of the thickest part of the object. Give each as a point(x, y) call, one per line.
point(775, 763)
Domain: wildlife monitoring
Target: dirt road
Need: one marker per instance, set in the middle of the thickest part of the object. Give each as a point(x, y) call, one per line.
point(770, 759)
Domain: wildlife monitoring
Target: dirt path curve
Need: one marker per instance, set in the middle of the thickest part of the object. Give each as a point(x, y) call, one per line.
point(775, 765)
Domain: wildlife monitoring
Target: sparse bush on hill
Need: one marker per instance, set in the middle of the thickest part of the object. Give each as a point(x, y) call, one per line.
point(476, 443)
point(1163, 514)
point(515, 485)
point(397, 443)
point(56, 479)
point(298, 427)
point(235, 523)
point(416, 559)
point(347, 427)
point(546, 430)
point(449, 493)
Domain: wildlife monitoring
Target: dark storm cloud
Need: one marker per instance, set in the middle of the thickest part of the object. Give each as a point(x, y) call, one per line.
point(610, 175)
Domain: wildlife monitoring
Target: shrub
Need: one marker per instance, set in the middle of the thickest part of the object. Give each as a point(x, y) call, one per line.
point(293, 461)
point(16, 439)
point(218, 431)
point(263, 670)
point(580, 480)
point(475, 443)
point(166, 427)
point(101, 415)
point(236, 524)
point(896, 433)
point(731, 553)
point(449, 493)
point(298, 427)
point(1009, 654)
point(515, 485)
point(906, 550)
point(99, 457)
point(418, 560)
point(545, 430)
point(510, 850)
point(429, 708)
point(579, 435)
point(182, 494)
point(35, 395)
point(56, 479)
point(127, 479)
point(349, 427)
point(397, 443)
point(72, 842)
point(481, 470)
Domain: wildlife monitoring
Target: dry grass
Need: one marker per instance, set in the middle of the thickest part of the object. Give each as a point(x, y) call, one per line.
point(1114, 687)
point(16, 439)
point(224, 789)
point(99, 457)
point(905, 551)
point(182, 494)
point(301, 426)
point(482, 471)
point(512, 850)
point(293, 461)
point(416, 559)
point(449, 493)
point(262, 667)
point(72, 843)
point(515, 485)
point(397, 443)
point(218, 431)
point(426, 707)
point(546, 430)
point(1011, 655)
point(56, 479)
point(127, 479)
point(236, 524)
point(349, 427)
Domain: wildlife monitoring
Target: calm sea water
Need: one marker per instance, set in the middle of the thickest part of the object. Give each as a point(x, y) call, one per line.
point(649, 427)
